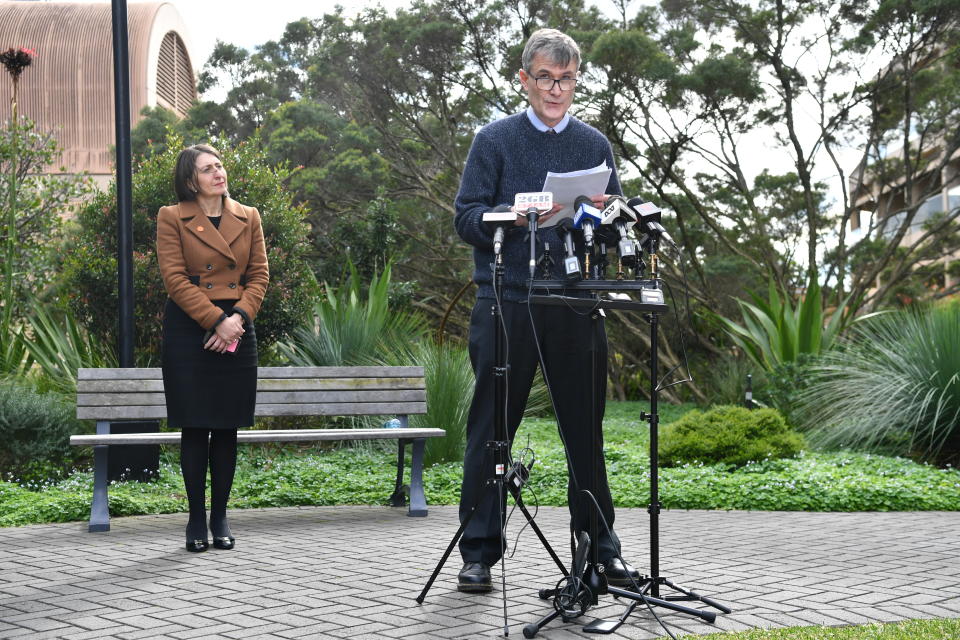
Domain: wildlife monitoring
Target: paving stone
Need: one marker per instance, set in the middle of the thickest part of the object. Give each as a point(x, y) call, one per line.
point(772, 568)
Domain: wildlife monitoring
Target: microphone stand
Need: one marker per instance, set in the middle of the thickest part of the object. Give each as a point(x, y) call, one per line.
point(503, 479)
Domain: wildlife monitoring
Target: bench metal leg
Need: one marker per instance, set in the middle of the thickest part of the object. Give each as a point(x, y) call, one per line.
point(399, 496)
point(418, 503)
point(100, 508)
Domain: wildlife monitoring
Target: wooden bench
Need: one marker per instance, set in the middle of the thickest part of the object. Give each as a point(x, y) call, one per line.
point(117, 395)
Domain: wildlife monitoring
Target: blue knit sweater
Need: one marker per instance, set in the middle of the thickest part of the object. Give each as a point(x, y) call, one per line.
point(508, 157)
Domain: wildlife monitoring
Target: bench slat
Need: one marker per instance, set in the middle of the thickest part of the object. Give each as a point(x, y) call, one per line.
point(115, 399)
point(159, 412)
point(155, 373)
point(340, 372)
point(343, 409)
point(135, 412)
point(85, 387)
point(263, 397)
point(337, 384)
point(263, 435)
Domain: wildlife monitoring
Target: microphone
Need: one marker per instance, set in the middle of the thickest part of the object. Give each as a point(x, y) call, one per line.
point(498, 218)
point(617, 213)
point(586, 217)
point(650, 216)
point(571, 264)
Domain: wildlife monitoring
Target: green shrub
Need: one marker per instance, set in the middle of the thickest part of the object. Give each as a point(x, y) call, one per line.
point(729, 435)
point(893, 387)
point(90, 263)
point(35, 432)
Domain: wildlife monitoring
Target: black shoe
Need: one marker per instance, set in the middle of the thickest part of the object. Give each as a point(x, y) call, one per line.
point(474, 578)
point(198, 545)
point(223, 542)
point(620, 574)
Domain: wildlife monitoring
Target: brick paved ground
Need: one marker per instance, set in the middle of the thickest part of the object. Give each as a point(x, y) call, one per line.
point(354, 572)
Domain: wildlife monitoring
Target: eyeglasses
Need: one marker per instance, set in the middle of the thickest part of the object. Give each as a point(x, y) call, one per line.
point(546, 83)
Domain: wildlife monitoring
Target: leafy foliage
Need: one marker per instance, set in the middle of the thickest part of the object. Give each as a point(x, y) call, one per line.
point(35, 430)
point(58, 345)
point(893, 387)
point(349, 331)
point(449, 381)
point(271, 476)
point(728, 435)
point(774, 331)
point(41, 202)
point(89, 278)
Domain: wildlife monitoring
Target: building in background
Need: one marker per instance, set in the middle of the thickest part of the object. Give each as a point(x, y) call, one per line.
point(69, 88)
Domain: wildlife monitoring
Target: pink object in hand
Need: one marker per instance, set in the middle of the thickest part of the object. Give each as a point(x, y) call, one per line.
point(233, 346)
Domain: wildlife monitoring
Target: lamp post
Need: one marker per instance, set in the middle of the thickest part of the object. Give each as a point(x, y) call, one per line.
point(121, 105)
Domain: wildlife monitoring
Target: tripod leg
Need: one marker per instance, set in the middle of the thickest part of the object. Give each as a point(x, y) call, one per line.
point(532, 629)
point(708, 616)
point(692, 595)
point(453, 543)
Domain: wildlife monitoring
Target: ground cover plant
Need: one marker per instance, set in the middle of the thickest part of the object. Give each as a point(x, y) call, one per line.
point(274, 476)
point(907, 630)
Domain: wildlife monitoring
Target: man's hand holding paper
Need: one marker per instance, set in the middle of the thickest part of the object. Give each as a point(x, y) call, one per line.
point(567, 186)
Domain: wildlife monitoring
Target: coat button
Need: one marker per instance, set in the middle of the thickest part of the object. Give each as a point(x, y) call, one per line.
point(209, 285)
point(232, 285)
point(209, 267)
point(232, 267)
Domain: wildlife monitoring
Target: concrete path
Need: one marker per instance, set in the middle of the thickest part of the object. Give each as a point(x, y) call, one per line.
point(354, 572)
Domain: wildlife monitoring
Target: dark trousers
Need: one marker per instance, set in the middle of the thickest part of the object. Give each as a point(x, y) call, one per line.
point(565, 338)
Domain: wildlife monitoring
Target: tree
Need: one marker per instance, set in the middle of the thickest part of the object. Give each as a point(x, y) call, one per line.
point(90, 262)
point(685, 101)
point(35, 203)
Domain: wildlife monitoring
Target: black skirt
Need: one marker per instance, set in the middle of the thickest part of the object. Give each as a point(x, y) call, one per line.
point(205, 389)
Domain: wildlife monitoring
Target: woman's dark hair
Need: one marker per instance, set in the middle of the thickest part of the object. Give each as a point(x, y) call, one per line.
point(185, 172)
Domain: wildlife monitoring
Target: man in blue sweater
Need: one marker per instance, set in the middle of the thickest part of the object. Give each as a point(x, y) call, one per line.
point(511, 156)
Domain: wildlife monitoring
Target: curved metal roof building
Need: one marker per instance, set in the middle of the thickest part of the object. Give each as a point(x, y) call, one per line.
point(69, 87)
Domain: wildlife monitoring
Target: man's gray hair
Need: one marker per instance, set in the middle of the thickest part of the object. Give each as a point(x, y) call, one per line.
point(555, 46)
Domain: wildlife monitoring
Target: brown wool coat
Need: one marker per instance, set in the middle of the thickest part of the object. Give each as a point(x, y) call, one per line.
point(200, 263)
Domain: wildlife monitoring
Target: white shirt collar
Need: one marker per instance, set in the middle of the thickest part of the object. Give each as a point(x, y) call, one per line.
point(536, 122)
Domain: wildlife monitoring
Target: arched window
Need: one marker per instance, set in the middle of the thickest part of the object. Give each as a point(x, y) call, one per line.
point(175, 86)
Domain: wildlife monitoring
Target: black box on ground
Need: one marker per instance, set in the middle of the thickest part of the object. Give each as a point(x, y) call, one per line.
point(140, 462)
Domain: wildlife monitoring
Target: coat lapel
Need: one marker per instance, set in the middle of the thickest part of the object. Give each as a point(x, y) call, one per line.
point(231, 225)
point(234, 221)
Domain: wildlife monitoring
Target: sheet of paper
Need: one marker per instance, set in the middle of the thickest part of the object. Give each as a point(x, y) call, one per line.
point(565, 188)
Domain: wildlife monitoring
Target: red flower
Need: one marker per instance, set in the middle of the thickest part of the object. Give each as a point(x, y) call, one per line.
point(16, 60)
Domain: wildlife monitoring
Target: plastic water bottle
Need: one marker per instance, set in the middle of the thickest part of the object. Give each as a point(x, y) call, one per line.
point(393, 423)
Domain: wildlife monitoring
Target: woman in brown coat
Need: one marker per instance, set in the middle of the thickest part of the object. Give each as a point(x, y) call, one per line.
point(214, 266)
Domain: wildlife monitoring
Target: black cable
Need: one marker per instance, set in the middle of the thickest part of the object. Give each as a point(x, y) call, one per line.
point(546, 381)
point(636, 586)
point(506, 360)
point(684, 362)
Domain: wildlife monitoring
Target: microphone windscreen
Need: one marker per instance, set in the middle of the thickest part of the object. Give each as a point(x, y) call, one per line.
point(501, 208)
point(582, 200)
